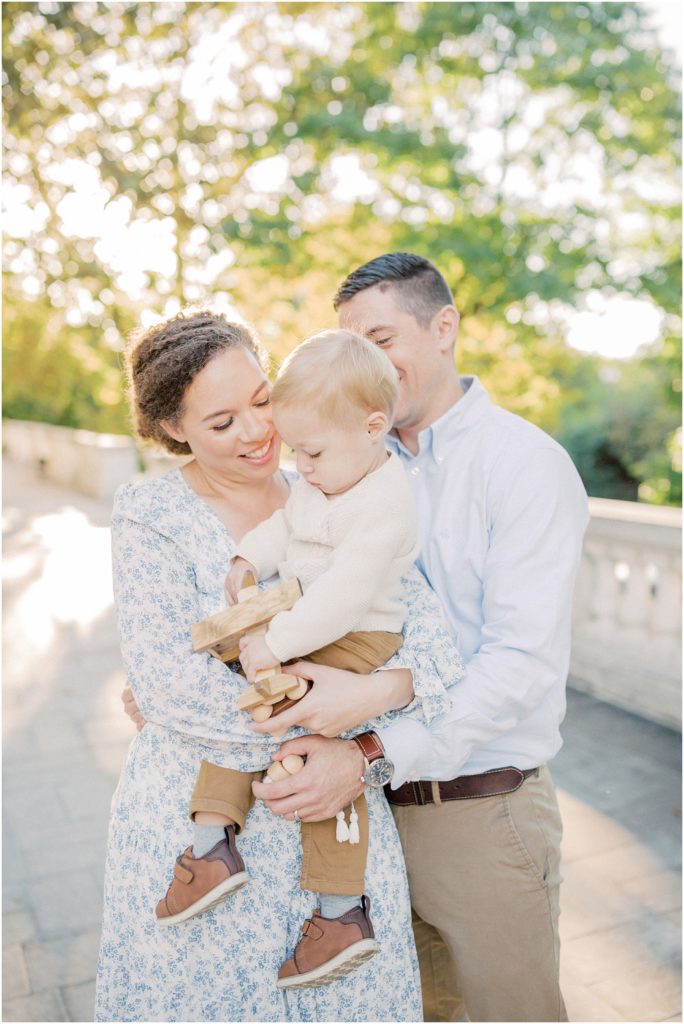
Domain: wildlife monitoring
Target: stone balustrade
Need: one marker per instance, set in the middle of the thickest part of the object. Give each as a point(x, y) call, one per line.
point(91, 463)
point(627, 613)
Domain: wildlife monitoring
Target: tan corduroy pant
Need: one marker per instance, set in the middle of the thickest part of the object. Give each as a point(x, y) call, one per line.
point(484, 877)
point(327, 866)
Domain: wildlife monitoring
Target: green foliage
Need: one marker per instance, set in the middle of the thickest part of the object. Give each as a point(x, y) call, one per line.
point(614, 431)
point(53, 375)
point(529, 149)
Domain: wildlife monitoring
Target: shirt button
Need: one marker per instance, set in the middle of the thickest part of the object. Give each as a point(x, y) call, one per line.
point(439, 459)
point(415, 471)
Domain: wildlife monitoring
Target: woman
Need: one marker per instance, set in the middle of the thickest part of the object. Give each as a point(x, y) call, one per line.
point(198, 387)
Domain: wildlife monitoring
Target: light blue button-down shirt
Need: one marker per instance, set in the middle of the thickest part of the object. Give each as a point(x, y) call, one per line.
point(502, 512)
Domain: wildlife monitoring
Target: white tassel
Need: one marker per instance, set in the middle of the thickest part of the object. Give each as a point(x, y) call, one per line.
point(342, 831)
point(353, 826)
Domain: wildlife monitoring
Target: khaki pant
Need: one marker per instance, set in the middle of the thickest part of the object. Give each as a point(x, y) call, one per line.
point(327, 866)
point(484, 877)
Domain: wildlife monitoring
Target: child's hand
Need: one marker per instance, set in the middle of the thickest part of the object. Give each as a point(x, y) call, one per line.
point(234, 579)
point(255, 654)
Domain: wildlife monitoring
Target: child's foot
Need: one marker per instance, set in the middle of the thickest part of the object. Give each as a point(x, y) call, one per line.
point(202, 882)
point(330, 948)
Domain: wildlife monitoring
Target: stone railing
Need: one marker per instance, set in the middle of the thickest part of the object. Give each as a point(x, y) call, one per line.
point(91, 463)
point(88, 462)
point(628, 612)
point(627, 615)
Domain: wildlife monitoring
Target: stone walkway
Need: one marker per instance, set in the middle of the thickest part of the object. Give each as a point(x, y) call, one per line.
point(619, 782)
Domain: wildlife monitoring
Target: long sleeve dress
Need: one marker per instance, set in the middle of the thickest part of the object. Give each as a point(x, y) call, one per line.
point(170, 554)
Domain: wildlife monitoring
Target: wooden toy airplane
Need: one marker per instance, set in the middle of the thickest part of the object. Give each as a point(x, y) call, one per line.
point(273, 690)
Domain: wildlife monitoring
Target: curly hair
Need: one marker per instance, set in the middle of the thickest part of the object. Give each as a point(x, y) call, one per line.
point(162, 361)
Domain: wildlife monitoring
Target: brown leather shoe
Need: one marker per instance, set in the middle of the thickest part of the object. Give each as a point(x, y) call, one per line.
point(202, 882)
point(330, 948)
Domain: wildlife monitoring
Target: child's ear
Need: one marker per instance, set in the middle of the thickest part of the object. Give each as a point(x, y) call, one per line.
point(377, 425)
point(173, 430)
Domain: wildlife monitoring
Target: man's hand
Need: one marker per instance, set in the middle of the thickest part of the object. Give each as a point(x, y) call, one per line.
point(340, 700)
point(255, 654)
point(132, 709)
point(329, 781)
point(234, 580)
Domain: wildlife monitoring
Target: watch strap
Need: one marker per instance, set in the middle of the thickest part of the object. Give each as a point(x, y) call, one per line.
point(370, 746)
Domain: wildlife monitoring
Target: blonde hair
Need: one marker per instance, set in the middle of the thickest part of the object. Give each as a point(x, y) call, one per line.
point(336, 373)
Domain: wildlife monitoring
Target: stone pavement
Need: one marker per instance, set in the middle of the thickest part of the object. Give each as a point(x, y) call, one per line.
point(65, 737)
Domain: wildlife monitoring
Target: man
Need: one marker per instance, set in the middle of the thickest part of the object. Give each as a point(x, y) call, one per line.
point(502, 513)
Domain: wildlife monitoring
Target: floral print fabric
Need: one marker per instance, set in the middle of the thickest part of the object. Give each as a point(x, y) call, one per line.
point(170, 556)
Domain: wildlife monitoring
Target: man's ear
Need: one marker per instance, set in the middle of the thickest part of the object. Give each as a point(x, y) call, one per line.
point(377, 424)
point(445, 324)
point(173, 430)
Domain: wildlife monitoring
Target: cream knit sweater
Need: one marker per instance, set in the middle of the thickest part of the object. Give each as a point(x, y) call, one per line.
point(348, 552)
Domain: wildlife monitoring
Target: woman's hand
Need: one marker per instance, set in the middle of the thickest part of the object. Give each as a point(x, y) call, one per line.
point(340, 700)
point(329, 781)
point(132, 709)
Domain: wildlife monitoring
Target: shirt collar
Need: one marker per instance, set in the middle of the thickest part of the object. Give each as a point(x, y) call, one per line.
point(462, 415)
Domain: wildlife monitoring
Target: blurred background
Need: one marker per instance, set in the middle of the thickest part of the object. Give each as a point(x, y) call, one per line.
point(248, 156)
point(251, 154)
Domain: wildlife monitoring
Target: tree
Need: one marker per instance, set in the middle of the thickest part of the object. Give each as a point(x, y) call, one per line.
point(256, 152)
point(614, 429)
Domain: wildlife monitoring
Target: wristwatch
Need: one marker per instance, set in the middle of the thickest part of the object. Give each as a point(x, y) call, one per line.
point(379, 769)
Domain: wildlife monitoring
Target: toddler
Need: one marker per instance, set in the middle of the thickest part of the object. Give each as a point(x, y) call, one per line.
point(348, 532)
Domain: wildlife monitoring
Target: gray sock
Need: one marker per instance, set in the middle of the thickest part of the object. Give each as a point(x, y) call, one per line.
point(335, 906)
point(205, 837)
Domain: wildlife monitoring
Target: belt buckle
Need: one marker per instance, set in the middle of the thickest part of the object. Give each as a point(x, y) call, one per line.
point(418, 793)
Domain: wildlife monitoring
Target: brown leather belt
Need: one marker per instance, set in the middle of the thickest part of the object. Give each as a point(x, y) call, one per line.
point(465, 787)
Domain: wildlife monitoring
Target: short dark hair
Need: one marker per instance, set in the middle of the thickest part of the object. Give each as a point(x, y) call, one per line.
point(421, 288)
point(163, 361)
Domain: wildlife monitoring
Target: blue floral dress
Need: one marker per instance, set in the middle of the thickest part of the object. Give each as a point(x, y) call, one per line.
point(170, 555)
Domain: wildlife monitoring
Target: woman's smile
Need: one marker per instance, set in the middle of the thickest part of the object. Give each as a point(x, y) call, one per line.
point(261, 455)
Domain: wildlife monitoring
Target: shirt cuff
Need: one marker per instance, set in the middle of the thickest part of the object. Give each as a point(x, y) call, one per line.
point(406, 744)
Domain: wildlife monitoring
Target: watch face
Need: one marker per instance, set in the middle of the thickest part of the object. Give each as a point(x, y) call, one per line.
point(379, 773)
